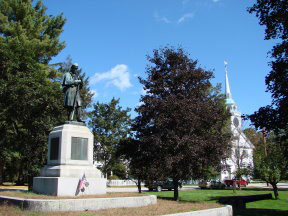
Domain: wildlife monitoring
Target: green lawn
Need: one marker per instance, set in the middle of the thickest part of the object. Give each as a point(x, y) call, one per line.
point(259, 208)
point(198, 197)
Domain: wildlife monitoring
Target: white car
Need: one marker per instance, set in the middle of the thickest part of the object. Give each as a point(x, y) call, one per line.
point(213, 184)
point(204, 184)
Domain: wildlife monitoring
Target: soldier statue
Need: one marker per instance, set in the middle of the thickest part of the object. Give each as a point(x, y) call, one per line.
point(71, 87)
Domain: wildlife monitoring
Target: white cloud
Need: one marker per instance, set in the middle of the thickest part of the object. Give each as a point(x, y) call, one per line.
point(118, 76)
point(161, 18)
point(143, 91)
point(185, 16)
point(139, 104)
point(95, 93)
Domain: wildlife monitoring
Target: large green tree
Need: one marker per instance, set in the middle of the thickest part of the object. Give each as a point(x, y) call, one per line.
point(270, 160)
point(273, 14)
point(110, 125)
point(140, 161)
point(255, 137)
point(182, 122)
point(31, 102)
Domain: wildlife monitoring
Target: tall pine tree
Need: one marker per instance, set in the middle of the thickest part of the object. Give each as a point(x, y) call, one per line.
point(31, 102)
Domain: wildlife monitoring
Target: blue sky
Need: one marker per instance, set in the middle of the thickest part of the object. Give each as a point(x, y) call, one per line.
point(110, 40)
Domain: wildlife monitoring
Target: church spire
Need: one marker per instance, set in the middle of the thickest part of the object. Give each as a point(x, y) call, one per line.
point(229, 100)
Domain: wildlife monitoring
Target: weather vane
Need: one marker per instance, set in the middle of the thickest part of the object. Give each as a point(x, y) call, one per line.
point(225, 65)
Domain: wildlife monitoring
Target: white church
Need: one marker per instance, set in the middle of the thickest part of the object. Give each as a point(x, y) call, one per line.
point(242, 148)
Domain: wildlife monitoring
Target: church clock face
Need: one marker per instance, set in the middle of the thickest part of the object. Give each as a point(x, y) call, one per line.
point(236, 122)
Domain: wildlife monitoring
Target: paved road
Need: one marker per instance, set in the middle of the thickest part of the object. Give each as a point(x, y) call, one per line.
point(264, 185)
point(124, 189)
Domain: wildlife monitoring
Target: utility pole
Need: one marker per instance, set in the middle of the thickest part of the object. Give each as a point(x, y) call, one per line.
point(264, 140)
point(264, 133)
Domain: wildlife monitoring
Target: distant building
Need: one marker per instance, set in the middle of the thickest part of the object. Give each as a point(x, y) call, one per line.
point(242, 148)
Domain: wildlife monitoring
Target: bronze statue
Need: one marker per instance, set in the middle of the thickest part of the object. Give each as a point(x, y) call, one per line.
point(72, 85)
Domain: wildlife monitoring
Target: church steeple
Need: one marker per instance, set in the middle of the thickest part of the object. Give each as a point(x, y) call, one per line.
point(231, 105)
point(241, 146)
point(229, 100)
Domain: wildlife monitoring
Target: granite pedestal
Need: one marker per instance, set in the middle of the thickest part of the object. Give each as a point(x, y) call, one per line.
point(70, 157)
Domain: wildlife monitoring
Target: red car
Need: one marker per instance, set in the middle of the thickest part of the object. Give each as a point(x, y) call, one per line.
point(229, 182)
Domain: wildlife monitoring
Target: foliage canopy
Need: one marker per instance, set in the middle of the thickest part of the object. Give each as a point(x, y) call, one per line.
point(110, 125)
point(30, 100)
point(181, 127)
point(274, 16)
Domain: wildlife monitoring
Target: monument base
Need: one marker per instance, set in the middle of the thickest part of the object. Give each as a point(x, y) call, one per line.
point(67, 186)
point(70, 171)
point(70, 160)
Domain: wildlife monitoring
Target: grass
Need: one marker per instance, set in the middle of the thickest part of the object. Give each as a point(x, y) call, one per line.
point(189, 200)
point(206, 195)
point(13, 187)
point(258, 208)
point(162, 207)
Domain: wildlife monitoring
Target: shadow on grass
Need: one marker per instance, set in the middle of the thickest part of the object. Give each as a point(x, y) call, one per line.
point(260, 212)
point(213, 198)
point(166, 198)
point(238, 212)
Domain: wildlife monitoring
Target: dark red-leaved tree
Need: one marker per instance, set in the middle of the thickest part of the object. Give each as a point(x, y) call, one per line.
point(181, 127)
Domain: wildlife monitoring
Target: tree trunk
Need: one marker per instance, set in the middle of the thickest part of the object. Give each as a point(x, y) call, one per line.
point(20, 179)
point(234, 186)
point(139, 186)
point(30, 182)
point(275, 190)
point(176, 192)
point(1, 172)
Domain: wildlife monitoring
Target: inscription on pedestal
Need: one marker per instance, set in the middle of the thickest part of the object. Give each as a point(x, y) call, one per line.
point(54, 148)
point(79, 148)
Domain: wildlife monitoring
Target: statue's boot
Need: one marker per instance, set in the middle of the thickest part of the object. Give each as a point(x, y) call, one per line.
point(79, 114)
point(80, 120)
point(70, 114)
